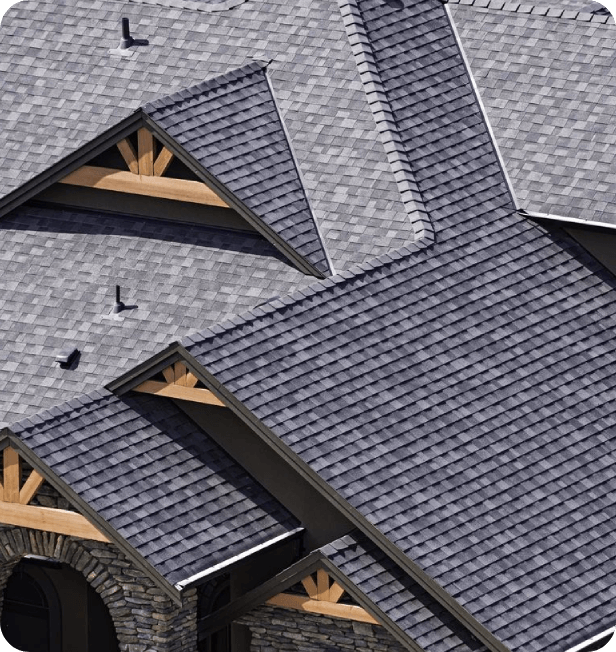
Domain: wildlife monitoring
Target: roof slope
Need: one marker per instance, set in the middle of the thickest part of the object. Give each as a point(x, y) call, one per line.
point(232, 127)
point(60, 87)
point(548, 85)
point(461, 396)
point(404, 602)
point(157, 479)
point(58, 270)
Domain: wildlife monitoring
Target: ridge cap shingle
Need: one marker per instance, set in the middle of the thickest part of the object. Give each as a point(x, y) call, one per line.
point(58, 411)
point(536, 10)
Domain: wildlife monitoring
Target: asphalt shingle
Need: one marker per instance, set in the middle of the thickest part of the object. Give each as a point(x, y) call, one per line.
point(459, 396)
point(59, 271)
point(232, 127)
point(158, 480)
point(548, 86)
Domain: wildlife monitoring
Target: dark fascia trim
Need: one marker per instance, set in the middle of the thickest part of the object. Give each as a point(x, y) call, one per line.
point(230, 612)
point(146, 370)
point(434, 589)
point(216, 186)
point(10, 438)
point(309, 564)
point(70, 163)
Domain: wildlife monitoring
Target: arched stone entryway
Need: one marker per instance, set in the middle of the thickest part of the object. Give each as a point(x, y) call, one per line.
point(143, 617)
point(49, 607)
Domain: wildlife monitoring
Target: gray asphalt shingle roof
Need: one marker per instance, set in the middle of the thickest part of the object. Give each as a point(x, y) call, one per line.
point(232, 127)
point(460, 396)
point(172, 493)
point(418, 614)
point(60, 87)
point(59, 269)
point(548, 85)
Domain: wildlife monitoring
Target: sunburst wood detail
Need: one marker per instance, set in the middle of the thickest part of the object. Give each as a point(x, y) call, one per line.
point(323, 597)
point(179, 383)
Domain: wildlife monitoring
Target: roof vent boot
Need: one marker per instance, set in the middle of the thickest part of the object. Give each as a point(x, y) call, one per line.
point(127, 39)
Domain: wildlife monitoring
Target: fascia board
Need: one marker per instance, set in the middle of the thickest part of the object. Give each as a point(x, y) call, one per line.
point(70, 163)
point(93, 516)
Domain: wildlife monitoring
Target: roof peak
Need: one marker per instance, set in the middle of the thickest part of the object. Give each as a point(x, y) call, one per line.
point(537, 10)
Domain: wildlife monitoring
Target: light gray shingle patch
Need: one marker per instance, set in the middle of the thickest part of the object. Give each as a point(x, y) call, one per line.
point(58, 270)
point(549, 86)
point(231, 126)
point(583, 10)
point(176, 497)
point(60, 87)
point(461, 396)
point(388, 129)
point(399, 597)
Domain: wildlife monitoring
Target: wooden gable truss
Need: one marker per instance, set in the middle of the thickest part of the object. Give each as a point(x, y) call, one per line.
point(144, 175)
point(177, 381)
point(15, 507)
point(323, 597)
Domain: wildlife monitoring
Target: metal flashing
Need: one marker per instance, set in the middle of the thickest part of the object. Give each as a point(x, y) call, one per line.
point(198, 577)
point(233, 202)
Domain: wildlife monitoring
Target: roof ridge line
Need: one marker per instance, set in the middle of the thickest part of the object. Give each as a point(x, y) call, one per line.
point(189, 92)
point(545, 12)
point(58, 410)
point(385, 122)
point(280, 303)
point(192, 5)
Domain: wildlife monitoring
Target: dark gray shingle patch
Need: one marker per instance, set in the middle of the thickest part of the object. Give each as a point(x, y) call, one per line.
point(232, 127)
point(549, 87)
point(461, 396)
point(158, 480)
point(399, 597)
point(58, 270)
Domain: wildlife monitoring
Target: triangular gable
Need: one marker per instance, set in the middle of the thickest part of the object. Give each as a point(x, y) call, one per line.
point(231, 127)
point(17, 500)
point(228, 134)
point(118, 459)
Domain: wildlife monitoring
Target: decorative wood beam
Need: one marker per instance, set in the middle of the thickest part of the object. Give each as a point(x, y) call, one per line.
point(12, 475)
point(335, 592)
point(311, 587)
point(145, 143)
point(163, 161)
point(194, 394)
point(336, 610)
point(128, 154)
point(49, 520)
point(322, 585)
point(31, 486)
point(193, 192)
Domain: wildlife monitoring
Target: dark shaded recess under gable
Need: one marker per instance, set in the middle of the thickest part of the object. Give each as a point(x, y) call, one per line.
point(141, 206)
point(322, 522)
point(598, 241)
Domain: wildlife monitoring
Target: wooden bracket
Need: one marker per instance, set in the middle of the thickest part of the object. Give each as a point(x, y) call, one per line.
point(179, 383)
point(323, 597)
point(16, 510)
point(144, 175)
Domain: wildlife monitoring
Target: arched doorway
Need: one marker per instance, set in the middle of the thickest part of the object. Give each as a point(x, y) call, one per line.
point(50, 607)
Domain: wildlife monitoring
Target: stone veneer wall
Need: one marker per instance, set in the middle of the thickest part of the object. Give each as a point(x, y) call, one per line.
point(145, 618)
point(287, 630)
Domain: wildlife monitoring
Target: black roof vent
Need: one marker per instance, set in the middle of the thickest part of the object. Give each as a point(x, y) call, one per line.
point(118, 306)
point(67, 356)
point(127, 40)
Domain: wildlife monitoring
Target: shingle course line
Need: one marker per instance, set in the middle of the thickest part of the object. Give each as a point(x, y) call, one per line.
point(522, 8)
